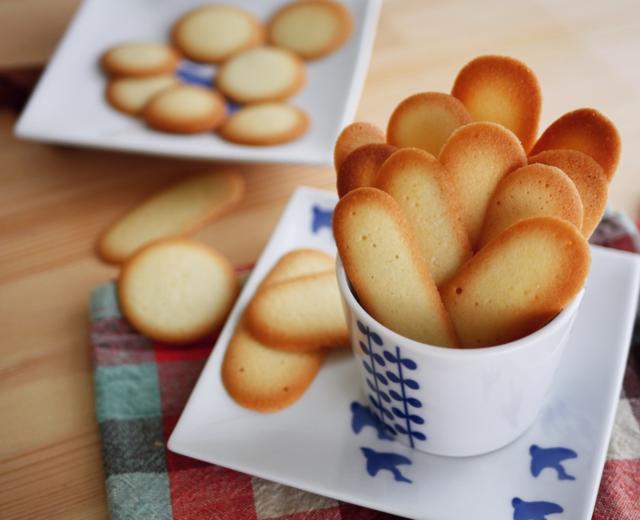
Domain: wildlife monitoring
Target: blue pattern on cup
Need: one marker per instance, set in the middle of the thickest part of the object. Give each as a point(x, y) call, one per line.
point(390, 386)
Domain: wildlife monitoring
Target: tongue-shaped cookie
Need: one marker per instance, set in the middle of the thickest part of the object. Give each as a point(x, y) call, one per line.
point(360, 168)
point(477, 156)
point(502, 90)
point(531, 191)
point(354, 136)
point(585, 130)
point(518, 282)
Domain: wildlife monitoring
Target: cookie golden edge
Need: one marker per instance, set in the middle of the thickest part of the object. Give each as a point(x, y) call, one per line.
point(601, 133)
point(352, 137)
point(345, 21)
point(296, 85)
point(205, 123)
point(352, 175)
point(236, 192)
point(344, 206)
point(111, 67)
point(563, 292)
point(271, 337)
point(149, 329)
point(529, 93)
point(227, 133)
point(258, 37)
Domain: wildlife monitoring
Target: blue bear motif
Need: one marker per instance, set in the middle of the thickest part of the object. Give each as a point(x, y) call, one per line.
point(378, 461)
point(362, 416)
point(533, 510)
point(542, 458)
point(321, 219)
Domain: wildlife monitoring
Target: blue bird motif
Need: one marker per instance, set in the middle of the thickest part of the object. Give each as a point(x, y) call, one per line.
point(362, 416)
point(321, 218)
point(533, 510)
point(542, 458)
point(377, 461)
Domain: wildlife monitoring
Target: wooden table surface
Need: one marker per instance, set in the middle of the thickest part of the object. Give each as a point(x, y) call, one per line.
point(55, 200)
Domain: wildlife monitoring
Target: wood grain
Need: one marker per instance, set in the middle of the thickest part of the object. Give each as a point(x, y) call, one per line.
point(55, 200)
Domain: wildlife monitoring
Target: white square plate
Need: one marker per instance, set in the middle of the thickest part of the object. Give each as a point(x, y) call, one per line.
point(312, 444)
point(68, 105)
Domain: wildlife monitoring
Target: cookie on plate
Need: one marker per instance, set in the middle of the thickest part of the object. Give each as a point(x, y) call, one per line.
point(361, 167)
point(261, 74)
point(312, 29)
point(386, 268)
point(585, 130)
point(137, 59)
point(130, 95)
point(185, 109)
point(301, 314)
point(177, 290)
point(518, 282)
point(535, 190)
point(589, 178)
point(354, 136)
point(426, 120)
point(265, 124)
point(177, 210)
point(213, 33)
point(262, 378)
point(422, 188)
point(502, 90)
point(477, 156)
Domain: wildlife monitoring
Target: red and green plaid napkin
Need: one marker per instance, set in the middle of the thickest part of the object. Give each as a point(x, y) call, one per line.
point(142, 386)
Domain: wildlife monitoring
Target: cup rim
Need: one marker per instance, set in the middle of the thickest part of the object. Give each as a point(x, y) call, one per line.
point(419, 348)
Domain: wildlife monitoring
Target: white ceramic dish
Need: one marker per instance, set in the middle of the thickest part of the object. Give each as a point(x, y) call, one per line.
point(68, 105)
point(328, 445)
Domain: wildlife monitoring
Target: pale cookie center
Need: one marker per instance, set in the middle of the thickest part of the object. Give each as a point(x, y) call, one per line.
point(306, 29)
point(141, 56)
point(261, 72)
point(266, 120)
point(185, 104)
point(217, 31)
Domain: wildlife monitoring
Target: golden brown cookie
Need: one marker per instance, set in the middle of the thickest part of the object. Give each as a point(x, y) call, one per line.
point(261, 74)
point(177, 290)
point(130, 95)
point(535, 190)
point(386, 269)
point(262, 378)
point(518, 282)
point(301, 314)
point(504, 91)
point(265, 124)
point(312, 29)
point(361, 166)
point(422, 188)
point(589, 178)
point(477, 156)
point(585, 130)
point(426, 121)
point(213, 33)
point(354, 136)
point(185, 109)
point(177, 210)
point(137, 59)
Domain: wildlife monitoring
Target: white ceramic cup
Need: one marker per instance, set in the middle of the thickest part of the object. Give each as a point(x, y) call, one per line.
point(454, 402)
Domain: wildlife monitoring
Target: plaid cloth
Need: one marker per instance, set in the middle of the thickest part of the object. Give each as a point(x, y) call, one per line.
point(142, 386)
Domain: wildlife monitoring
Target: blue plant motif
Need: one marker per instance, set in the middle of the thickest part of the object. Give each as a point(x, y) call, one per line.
point(542, 458)
point(378, 461)
point(387, 374)
point(362, 416)
point(321, 219)
point(533, 510)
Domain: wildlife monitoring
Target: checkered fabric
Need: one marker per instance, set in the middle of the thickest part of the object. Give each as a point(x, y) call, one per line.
point(142, 386)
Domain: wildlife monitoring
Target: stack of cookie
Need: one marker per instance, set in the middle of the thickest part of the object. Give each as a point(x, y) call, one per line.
point(258, 67)
point(457, 227)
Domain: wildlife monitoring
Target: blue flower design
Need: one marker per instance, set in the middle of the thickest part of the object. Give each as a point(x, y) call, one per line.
point(390, 386)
